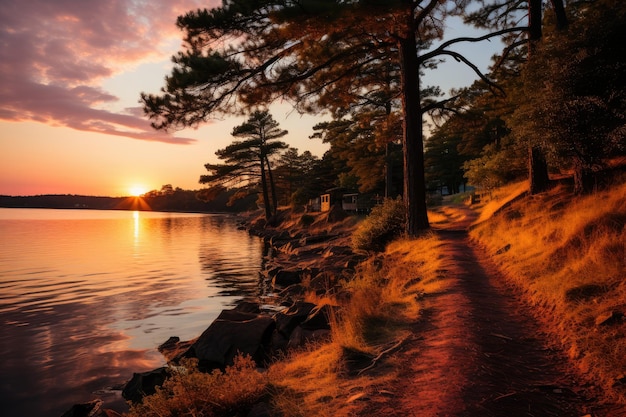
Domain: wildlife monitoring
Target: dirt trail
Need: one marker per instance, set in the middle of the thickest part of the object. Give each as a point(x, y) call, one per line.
point(478, 351)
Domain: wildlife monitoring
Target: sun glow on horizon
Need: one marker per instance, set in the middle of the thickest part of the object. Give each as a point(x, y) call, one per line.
point(137, 190)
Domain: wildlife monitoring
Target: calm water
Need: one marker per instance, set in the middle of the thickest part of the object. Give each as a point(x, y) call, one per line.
point(86, 296)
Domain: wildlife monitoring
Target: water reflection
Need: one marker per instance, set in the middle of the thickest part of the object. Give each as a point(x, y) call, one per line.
point(136, 224)
point(86, 296)
point(230, 265)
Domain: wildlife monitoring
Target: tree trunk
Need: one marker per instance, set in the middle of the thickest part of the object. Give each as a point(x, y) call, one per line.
point(388, 171)
point(537, 165)
point(537, 171)
point(412, 141)
point(266, 197)
point(561, 17)
point(272, 186)
point(584, 179)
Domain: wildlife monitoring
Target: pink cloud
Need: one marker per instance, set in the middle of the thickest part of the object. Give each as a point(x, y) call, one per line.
point(54, 55)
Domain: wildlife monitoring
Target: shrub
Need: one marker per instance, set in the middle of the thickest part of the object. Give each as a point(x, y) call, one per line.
point(191, 392)
point(385, 223)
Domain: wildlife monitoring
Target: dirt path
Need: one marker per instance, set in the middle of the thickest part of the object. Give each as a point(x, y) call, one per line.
point(478, 351)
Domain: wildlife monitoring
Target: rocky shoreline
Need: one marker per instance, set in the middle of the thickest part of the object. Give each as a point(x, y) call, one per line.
point(306, 253)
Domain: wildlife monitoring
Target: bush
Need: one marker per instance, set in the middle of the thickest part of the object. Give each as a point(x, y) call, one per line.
point(191, 392)
point(385, 223)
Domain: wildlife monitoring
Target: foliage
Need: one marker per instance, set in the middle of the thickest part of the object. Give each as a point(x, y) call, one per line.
point(367, 144)
point(385, 223)
point(191, 392)
point(294, 177)
point(499, 164)
point(444, 163)
point(248, 160)
point(574, 96)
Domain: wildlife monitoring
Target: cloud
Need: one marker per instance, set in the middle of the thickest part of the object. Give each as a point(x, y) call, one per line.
point(55, 55)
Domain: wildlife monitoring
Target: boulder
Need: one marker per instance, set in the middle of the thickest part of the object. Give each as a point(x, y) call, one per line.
point(286, 277)
point(248, 307)
point(173, 348)
point(84, 409)
point(144, 383)
point(232, 333)
point(287, 320)
point(318, 318)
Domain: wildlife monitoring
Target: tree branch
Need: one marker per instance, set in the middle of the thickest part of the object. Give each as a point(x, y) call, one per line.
point(441, 48)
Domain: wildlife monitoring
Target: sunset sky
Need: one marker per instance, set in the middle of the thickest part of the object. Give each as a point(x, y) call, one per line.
point(71, 72)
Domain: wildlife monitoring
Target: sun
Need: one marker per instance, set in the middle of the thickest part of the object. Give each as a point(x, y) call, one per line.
point(137, 190)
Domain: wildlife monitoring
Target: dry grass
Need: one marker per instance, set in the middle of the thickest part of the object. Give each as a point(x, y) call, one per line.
point(329, 379)
point(189, 392)
point(569, 257)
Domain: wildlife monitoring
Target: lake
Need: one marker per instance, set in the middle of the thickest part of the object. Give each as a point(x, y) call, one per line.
point(86, 296)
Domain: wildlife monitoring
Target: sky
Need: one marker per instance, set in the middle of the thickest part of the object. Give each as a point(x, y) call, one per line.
point(71, 75)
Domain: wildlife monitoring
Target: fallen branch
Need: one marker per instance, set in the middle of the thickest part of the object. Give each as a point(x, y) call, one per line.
point(380, 355)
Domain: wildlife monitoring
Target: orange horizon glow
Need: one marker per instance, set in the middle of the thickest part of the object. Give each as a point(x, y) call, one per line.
point(137, 190)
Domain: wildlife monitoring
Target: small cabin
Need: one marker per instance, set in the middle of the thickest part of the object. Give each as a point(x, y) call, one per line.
point(350, 202)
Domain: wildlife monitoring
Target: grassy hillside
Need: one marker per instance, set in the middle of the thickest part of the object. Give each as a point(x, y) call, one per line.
point(568, 255)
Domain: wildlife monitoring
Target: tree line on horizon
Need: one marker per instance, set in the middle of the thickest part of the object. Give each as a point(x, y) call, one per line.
point(554, 100)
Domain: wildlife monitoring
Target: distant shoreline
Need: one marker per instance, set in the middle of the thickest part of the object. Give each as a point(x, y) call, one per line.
point(183, 201)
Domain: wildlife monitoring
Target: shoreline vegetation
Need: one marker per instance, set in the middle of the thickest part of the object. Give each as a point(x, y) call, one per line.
point(346, 324)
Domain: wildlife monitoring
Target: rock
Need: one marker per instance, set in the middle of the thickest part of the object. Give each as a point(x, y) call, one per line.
point(300, 337)
point(286, 277)
point(289, 319)
point(169, 343)
point(232, 333)
point(318, 318)
point(173, 347)
point(608, 319)
point(248, 307)
point(279, 342)
point(144, 383)
point(320, 238)
point(292, 291)
point(503, 249)
point(84, 410)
